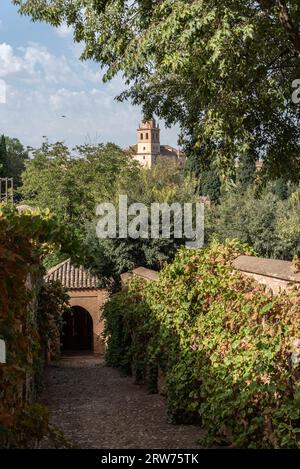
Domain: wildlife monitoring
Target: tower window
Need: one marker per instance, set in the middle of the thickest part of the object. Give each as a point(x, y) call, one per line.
point(147, 136)
point(141, 136)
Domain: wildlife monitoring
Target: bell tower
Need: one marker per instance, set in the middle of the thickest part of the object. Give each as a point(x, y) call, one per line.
point(148, 142)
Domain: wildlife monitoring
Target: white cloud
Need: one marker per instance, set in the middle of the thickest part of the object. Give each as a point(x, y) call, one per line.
point(10, 64)
point(91, 115)
point(35, 63)
point(41, 87)
point(2, 92)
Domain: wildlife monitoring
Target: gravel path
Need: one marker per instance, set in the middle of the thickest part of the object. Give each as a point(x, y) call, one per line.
point(97, 408)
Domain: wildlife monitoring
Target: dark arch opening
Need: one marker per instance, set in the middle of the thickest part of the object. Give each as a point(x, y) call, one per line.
point(77, 333)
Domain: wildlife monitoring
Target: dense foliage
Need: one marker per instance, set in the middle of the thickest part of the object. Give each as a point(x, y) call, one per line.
point(12, 159)
point(210, 185)
point(246, 172)
point(268, 220)
point(222, 69)
point(52, 304)
point(3, 157)
point(26, 324)
point(222, 340)
point(71, 185)
point(163, 183)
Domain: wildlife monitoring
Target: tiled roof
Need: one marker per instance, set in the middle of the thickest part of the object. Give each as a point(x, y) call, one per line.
point(165, 150)
point(72, 277)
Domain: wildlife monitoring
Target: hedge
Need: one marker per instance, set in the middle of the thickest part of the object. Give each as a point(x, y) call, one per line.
point(223, 341)
point(29, 322)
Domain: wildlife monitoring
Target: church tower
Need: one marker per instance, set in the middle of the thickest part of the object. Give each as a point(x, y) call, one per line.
point(148, 143)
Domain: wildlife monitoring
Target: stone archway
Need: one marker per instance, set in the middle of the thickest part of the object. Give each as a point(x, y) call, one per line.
point(77, 333)
point(84, 292)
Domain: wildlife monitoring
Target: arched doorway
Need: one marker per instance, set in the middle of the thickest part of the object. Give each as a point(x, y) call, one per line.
point(77, 333)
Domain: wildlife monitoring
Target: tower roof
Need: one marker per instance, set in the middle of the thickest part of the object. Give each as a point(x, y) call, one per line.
point(148, 124)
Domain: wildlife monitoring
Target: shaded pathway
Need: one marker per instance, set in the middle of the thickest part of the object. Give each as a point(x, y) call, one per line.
point(97, 408)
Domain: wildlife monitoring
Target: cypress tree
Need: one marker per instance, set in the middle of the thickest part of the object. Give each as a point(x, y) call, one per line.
point(245, 173)
point(194, 164)
point(281, 188)
point(210, 185)
point(3, 157)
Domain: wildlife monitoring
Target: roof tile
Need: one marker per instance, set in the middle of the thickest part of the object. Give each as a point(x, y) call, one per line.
point(71, 276)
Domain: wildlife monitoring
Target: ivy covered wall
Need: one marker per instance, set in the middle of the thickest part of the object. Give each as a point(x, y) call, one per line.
point(26, 325)
point(224, 343)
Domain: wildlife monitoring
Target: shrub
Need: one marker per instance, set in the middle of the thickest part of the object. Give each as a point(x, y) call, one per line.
point(26, 327)
point(118, 342)
point(224, 343)
point(268, 220)
point(31, 425)
point(52, 304)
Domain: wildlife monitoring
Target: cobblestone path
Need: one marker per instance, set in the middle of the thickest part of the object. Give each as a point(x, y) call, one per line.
point(97, 408)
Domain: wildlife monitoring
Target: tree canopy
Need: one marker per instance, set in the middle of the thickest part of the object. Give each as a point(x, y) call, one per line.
point(12, 159)
point(222, 69)
point(163, 183)
point(268, 219)
point(245, 172)
point(70, 183)
point(3, 157)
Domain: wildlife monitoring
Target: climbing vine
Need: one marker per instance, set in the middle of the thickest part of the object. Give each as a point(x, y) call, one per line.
point(224, 343)
point(25, 238)
point(52, 304)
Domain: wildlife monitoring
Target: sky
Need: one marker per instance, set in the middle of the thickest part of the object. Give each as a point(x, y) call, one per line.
point(44, 80)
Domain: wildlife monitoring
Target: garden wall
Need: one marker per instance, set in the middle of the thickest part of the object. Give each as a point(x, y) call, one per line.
point(275, 274)
point(26, 328)
point(222, 348)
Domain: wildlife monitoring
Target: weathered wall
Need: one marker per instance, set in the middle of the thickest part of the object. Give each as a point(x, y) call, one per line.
point(92, 300)
point(275, 274)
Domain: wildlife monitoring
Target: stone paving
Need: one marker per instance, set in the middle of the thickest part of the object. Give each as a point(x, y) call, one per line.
point(96, 407)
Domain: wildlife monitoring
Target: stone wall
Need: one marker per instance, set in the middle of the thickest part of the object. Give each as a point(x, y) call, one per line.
point(275, 274)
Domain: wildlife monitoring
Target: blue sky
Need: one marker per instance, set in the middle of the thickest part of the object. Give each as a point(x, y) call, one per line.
point(45, 79)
